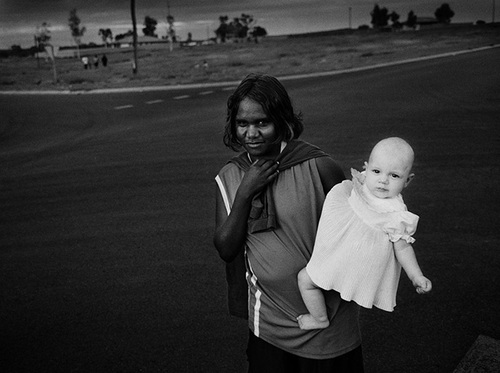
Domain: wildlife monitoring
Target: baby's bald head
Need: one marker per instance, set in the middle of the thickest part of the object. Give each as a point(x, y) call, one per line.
point(395, 148)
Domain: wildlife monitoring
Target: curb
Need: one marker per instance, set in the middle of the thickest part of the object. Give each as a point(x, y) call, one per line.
point(230, 83)
point(483, 356)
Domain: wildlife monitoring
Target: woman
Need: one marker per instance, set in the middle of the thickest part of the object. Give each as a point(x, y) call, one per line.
point(268, 204)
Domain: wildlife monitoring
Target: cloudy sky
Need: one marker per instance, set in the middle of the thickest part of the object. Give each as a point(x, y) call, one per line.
point(19, 18)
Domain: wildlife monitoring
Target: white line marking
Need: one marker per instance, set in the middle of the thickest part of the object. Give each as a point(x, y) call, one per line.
point(153, 102)
point(181, 97)
point(205, 93)
point(228, 89)
point(123, 107)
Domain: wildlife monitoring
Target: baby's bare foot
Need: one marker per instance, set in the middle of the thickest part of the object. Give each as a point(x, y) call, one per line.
point(308, 322)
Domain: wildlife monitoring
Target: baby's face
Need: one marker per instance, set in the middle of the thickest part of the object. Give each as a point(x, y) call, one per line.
point(387, 175)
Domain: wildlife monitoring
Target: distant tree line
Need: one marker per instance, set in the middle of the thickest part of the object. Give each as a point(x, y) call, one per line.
point(239, 29)
point(381, 17)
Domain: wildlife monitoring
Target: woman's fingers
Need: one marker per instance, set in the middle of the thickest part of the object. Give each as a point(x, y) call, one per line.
point(265, 165)
point(261, 173)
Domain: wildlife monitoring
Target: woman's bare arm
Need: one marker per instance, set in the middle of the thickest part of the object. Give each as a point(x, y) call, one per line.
point(231, 230)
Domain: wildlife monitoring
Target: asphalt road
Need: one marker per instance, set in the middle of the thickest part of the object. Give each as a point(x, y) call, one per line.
point(106, 219)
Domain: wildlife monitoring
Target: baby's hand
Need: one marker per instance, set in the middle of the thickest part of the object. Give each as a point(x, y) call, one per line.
point(422, 284)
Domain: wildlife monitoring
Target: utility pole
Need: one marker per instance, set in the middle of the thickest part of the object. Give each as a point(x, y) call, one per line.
point(49, 49)
point(350, 17)
point(170, 30)
point(132, 11)
point(37, 47)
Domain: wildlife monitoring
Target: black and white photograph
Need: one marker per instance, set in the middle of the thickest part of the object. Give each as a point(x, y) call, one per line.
point(262, 186)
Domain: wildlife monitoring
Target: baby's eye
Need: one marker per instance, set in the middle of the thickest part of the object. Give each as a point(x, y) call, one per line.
point(396, 176)
point(376, 171)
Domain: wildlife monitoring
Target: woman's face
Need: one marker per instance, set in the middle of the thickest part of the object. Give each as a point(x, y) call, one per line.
point(255, 131)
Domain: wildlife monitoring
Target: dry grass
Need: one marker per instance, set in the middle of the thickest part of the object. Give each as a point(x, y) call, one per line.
point(277, 56)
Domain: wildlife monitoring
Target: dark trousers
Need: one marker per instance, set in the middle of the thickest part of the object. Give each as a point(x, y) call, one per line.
point(266, 358)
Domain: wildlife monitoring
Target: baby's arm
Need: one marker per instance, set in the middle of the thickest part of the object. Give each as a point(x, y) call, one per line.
point(406, 257)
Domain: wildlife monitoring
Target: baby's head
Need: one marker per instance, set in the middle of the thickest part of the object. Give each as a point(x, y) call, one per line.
point(388, 170)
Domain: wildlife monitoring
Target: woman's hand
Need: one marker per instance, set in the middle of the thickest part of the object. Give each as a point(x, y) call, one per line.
point(231, 230)
point(257, 177)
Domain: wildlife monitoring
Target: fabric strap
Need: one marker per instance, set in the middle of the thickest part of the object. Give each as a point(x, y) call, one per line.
point(263, 211)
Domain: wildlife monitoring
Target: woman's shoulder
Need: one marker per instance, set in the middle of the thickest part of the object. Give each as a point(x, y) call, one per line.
point(330, 172)
point(230, 171)
point(327, 164)
point(228, 167)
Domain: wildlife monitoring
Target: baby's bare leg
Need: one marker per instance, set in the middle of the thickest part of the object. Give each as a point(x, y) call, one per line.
point(317, 317)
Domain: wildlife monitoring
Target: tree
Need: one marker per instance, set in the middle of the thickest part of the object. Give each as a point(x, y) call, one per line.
point(42, 35)
point(247, 21)
point(42, 38)
point(171, 30)
point(258, 32)
point(124, 35)
point(172, 38)
point(234, 29)
point(150, 27)
point(380, 17)
point(221, 31)
point(238, 28)
point(76, 31)
point(106, 34)
point(411, 20)
point(394, 17)
point(444, 14)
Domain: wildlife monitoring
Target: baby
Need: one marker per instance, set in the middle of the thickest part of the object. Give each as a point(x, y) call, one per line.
point(364, 237)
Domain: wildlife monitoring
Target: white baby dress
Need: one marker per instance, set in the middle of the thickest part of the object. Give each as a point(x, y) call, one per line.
point(353, 252)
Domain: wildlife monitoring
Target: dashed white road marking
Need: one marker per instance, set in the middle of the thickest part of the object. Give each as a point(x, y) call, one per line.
point(182, 97)
point(153, 102)
point(123, 107)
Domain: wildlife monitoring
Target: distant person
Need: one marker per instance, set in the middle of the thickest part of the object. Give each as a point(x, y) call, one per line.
point(96, 61)
point(104, 60)
point(85, 61)
point(268, 204)
point(364, 237)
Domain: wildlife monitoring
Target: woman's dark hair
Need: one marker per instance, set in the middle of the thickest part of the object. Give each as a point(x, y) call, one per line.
point(273, 97)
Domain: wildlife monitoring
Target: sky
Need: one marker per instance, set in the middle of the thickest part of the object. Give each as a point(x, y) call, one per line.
point(19, 19)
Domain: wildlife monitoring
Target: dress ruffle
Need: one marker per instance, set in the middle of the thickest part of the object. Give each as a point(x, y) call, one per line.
point(353, 253)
